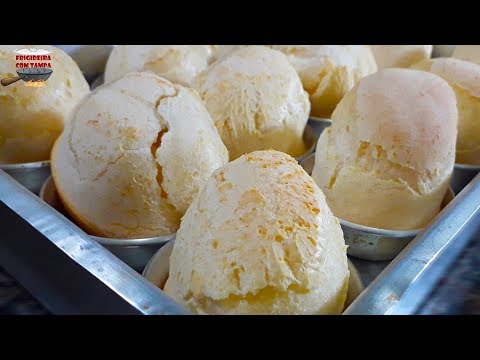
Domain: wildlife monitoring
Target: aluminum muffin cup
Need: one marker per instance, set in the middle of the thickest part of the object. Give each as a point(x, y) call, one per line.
point(134, 252)
point(99, 80)
point(310, 138)
point(442, 50)
point(31, 175)
point(462, 175)
point(369, 243)
point(156, 272)
point(319, 124)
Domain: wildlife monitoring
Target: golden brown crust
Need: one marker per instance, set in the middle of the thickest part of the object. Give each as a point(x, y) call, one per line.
point(260, 239)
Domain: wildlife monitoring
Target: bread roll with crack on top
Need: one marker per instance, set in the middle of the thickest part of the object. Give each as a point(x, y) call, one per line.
point(328, 72)
point(387, 160)
point(134, 155)
point(178, 63)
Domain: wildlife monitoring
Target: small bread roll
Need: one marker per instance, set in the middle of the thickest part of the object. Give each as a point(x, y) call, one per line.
point(134, 155)
point(256, 100)
point(400, 56)
point(387, 159)
point(329, 71)
point(177, 63)
point(464, 78)
point(31, 118)
point(468, 53)
point(259, 239)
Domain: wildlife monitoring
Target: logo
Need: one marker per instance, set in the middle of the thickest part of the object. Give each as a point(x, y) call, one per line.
point(33, 66)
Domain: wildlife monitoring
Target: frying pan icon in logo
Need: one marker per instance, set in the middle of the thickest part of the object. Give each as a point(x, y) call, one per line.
point(27, 75)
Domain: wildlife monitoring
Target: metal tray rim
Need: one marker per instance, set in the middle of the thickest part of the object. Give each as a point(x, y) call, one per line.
point(25, 166)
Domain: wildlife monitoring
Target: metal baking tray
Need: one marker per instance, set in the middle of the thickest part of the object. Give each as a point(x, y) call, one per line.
point(82, 277)
point(134, 252)
point(72, 274)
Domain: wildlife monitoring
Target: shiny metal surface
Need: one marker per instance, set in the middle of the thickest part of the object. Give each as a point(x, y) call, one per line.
point(375, 244)
point(462, 175)
point(369, 270)
point(134, 252)
point(99, 80)
point(368, 243)
point(31, 175)
point(442, 50)
point(458, 292)
point(408, 280)
point(319, 124)
point(310, 138)
point(156, 272)
point(63, 267)
point(308, 164)
point(91, 59)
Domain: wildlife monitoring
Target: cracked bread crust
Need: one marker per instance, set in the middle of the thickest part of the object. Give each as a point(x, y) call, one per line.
point(464, 78)
point(387, 159)
point(260, 239)
point(328, 72)
point(177, 63)
point(134, 155)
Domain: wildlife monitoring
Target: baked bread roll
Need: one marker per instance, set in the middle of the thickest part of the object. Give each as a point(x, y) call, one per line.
point(134, 155)
point(387, 159)
point(259, 239)
point(177, 63)
point(328, 72)
point(464, 78)
point(256, 100)
point(31, 118)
